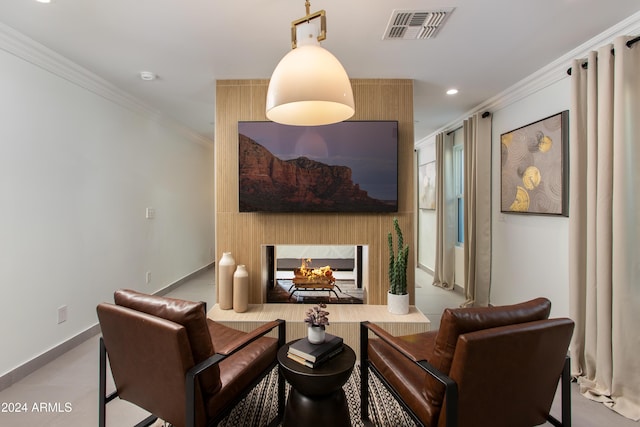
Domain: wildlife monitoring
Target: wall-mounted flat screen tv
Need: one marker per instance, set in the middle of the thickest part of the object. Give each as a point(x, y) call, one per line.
point(344, 167)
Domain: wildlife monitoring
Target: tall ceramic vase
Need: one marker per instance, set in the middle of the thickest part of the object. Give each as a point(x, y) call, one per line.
point(240, 289)
point(226, 267)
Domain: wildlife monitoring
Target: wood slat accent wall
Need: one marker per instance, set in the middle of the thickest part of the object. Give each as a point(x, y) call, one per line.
point(242, 234)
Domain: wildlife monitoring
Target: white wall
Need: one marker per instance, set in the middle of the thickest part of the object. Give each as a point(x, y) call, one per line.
point(530, 253)
point(316, 251)
point(76, 174)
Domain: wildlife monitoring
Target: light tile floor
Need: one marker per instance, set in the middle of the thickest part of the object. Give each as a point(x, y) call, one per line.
point(68, 386)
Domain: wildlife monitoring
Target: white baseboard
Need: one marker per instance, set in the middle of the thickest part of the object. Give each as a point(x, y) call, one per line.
point(38, 362)
point(15, 375)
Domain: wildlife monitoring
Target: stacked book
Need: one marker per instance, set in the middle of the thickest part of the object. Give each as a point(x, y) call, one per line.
point(313, 355)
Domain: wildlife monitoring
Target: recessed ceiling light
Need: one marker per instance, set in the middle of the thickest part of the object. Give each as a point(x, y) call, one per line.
point(43, 1)
point(147, 75)
point(452, 91)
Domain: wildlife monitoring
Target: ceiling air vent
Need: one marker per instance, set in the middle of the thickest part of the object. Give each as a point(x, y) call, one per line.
point(415, 24)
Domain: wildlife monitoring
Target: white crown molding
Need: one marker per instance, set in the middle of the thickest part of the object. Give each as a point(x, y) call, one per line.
point(546, 76)
point(29, 50)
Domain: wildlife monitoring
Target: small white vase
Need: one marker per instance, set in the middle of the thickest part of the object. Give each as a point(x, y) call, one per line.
point(240, 289)
point(398, 304)
point(315, 334)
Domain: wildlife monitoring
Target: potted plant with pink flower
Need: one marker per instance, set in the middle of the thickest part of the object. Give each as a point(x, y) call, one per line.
point(317, 319)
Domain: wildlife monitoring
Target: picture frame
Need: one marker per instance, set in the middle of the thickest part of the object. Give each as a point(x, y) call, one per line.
point(534, 167)
point(427, 186)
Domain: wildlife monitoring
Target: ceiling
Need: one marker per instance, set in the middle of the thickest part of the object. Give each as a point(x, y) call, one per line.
point(483, 48)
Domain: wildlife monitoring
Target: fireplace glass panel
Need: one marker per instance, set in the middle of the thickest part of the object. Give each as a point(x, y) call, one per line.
point(346, 264)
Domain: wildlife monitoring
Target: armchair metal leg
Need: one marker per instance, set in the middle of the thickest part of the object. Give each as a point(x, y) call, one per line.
point(103, 399)
point(281, 396)
point(147, 421)
point(364, 373)
point(282, 335)
point(565, 390)
point(566, 393)
point(102, 386)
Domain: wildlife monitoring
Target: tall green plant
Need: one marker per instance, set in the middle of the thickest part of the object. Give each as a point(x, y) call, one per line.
point(398, 262)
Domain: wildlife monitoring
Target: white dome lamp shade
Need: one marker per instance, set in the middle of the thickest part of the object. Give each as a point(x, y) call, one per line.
point(309, 87)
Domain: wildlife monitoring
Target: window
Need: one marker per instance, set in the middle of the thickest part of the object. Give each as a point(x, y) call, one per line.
point(458, 187)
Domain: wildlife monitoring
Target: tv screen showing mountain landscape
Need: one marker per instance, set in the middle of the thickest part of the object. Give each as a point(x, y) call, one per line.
point(344, 167)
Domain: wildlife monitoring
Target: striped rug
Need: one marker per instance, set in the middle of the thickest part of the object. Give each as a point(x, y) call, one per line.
point(260, 406)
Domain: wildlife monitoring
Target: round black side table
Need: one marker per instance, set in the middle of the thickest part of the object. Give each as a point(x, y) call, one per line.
point(316, 396)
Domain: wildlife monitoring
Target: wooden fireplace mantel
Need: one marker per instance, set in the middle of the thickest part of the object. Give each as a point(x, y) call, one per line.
point(344, 319)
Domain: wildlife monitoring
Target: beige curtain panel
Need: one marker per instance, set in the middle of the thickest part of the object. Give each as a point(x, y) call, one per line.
point(446, 219)
point(477, 209)
point(604, 225)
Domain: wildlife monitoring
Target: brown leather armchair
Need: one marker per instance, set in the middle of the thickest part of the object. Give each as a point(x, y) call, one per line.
point(485, 366)
point(168, 358)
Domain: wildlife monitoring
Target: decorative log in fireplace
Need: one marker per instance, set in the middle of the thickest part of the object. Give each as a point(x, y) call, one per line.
point(302, 273)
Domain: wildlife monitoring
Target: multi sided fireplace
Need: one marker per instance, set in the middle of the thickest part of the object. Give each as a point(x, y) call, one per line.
point(314, 273)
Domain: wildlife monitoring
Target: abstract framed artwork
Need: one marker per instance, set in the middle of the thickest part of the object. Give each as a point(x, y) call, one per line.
point(427, 186)
point(534, 167)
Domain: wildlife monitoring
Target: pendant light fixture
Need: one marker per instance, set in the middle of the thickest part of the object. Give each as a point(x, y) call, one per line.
point(309, 87)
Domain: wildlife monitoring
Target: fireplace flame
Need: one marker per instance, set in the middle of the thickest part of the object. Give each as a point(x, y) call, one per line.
point(312, 274)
